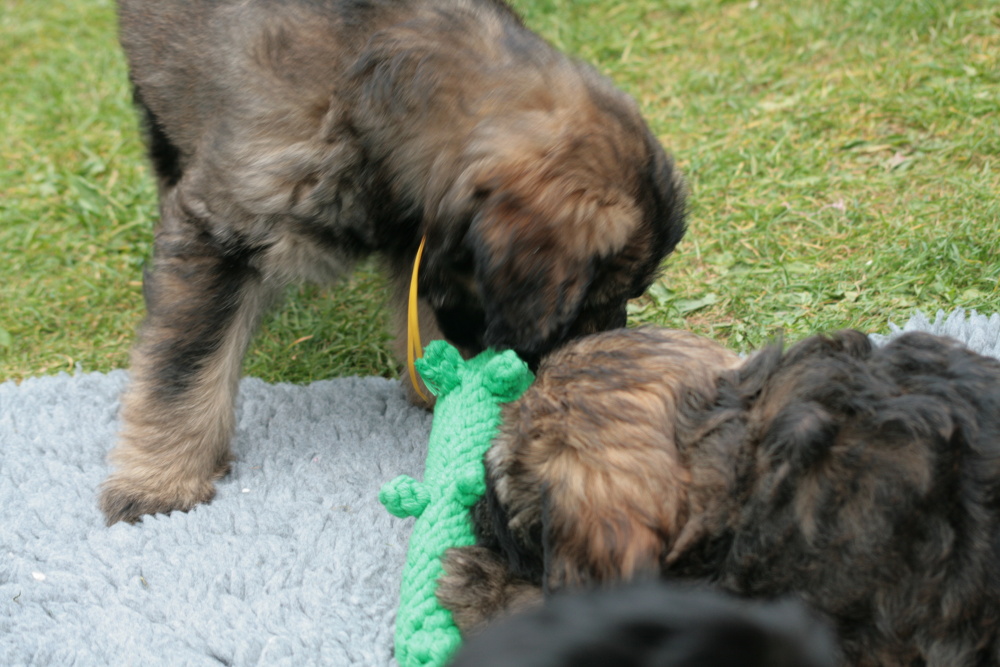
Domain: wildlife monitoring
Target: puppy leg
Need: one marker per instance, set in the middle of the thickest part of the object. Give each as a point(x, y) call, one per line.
point(429, 330)
point(477, 589)
point(203, 305)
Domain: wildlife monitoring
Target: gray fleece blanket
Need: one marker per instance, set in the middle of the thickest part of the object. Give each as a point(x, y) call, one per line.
point(294, 563)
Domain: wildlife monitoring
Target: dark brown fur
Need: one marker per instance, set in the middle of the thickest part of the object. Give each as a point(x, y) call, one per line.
point(290, 138)
point(865, 481)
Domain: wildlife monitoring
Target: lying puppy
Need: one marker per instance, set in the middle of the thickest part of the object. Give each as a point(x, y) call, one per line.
point(864, 481)
point(292, 137)
point(653, 625)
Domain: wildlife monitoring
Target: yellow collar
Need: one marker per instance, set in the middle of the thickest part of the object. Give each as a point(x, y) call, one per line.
point(414, 350)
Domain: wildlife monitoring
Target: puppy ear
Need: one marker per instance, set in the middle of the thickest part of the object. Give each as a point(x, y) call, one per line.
point(597, 537)
point(536, 258)
point(531, 288)
point(600, 524)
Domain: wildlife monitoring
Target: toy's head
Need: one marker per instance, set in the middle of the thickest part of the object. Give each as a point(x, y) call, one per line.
point(502, 375)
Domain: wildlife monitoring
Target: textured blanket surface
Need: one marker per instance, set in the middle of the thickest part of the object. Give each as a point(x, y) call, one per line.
point(294, 563)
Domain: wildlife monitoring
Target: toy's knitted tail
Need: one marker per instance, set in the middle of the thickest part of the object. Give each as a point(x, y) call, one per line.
point(466, 416)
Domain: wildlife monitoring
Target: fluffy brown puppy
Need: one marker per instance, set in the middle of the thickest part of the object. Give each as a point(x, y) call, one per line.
point(292, 137)
point(865, 481)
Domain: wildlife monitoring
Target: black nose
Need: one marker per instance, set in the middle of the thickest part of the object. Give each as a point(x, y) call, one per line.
point(532, 360)
point(462, 327)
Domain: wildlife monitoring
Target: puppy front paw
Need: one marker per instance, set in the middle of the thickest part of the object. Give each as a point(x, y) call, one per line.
point(147, 481)
point(123, 499)
point(477, 588)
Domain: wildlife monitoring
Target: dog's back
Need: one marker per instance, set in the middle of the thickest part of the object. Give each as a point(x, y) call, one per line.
point(876, 494)
point(213, 76)
point(238, 71)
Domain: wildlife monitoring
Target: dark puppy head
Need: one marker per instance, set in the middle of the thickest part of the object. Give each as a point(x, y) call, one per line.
point(556, 214)
point(653, 625)
point(586, 465)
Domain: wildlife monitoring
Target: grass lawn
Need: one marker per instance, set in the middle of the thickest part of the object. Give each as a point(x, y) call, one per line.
point(843, 158)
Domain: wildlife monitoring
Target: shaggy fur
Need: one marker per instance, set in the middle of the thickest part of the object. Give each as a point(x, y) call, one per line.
point(653, 625)
point(292, 137)
point(865, 481)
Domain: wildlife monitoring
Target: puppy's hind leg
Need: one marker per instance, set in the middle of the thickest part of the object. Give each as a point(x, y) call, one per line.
point(204, 300)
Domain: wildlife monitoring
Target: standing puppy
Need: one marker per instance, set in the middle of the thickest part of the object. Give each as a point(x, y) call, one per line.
point(292, 137)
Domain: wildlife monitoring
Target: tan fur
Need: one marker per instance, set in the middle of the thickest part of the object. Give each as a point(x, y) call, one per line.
point(608, 518)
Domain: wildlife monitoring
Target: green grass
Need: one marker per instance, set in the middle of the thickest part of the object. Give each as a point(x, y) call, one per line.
point(843, 158)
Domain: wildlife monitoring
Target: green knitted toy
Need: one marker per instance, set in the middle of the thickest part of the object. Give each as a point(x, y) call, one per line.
point(466, 417)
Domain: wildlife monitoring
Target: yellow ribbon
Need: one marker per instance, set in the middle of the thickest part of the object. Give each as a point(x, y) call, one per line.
point(414, 350)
